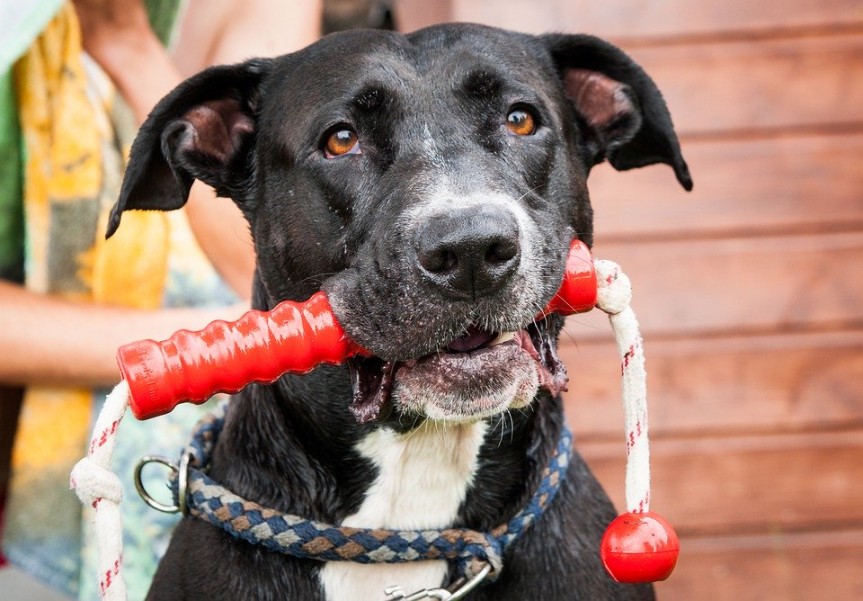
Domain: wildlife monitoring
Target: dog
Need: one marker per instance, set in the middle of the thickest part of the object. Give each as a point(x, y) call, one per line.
point(430, 184)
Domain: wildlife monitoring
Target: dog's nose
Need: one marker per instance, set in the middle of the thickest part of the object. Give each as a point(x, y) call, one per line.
point(470, 253)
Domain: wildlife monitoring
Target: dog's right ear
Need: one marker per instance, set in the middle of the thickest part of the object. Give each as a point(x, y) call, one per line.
point(204, 129)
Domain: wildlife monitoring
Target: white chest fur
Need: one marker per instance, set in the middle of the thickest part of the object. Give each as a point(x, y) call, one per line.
point(423, 477)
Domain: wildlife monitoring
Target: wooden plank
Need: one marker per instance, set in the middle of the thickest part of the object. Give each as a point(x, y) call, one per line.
point(724, 286)
point(768, 84)
point(739, 84)
point(645, 18)
point(709, 485)
point(795, 183)
point(735, 384)
point(777, 567)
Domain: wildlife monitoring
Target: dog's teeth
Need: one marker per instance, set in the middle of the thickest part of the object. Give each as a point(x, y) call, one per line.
point(502, 337)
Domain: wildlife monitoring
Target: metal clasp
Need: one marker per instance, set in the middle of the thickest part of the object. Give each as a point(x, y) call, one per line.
point(395, 593)
point(182, 472)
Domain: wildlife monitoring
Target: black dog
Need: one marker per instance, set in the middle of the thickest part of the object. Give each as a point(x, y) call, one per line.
point(430, 184)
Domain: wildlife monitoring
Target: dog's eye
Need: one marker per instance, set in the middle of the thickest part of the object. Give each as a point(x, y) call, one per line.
point(340, 142)
point(521, 122)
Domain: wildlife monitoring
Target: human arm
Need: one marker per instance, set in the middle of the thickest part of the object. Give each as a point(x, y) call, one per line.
point(47, 340)
point(117, 35)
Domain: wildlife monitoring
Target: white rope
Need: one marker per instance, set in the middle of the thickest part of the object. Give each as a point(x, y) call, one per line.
point(614, 294)
point(96, 485)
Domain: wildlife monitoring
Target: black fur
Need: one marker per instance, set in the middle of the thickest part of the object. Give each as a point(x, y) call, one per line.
point(255, 132)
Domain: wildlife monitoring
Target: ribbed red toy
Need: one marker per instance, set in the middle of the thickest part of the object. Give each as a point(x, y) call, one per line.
point(261, 346)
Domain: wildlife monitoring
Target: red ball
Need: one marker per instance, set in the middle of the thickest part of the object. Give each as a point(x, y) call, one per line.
point(639, 547)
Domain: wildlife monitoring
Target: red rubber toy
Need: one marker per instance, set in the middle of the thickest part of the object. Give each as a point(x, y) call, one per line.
point(639, 547)
point(261, 346)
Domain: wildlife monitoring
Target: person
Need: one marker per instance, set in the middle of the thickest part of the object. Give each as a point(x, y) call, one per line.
point(70, 298)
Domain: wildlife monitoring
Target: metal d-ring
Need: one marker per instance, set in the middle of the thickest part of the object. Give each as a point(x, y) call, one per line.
point(182, 472)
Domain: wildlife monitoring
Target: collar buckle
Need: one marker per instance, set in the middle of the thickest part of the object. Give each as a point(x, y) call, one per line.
point(395, 593)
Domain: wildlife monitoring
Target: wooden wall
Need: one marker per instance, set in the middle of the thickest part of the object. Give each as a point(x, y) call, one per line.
point(749, 289)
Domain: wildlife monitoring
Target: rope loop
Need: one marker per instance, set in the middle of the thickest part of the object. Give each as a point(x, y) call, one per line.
point(614, 289)
point(97, 486)
point(94, 483)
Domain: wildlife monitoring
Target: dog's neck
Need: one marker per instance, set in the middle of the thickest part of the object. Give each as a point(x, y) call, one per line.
point(302, 452)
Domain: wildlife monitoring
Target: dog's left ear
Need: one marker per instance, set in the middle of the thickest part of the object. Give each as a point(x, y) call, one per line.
point(623, 116)
point(204, 129)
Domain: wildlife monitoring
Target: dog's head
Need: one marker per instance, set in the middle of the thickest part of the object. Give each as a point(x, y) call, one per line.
point(430, 183)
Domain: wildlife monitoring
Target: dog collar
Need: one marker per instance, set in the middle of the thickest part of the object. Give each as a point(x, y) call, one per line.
point(471, 553)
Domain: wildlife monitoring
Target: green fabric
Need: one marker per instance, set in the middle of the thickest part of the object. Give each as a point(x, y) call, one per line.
point(11, 186)
point(163, 17)
point(20, 23)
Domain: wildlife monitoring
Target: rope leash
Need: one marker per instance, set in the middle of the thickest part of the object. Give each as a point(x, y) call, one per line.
point(96, 485)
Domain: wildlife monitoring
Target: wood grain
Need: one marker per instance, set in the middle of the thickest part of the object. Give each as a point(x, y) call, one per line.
point(737, 285)
point(801, 566)
point(672, 18)
point(736, 191)
point(746, 484)
point(755, 384)
point(756, 85)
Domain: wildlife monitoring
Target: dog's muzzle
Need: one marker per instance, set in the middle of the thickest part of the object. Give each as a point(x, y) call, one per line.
point(477, 375)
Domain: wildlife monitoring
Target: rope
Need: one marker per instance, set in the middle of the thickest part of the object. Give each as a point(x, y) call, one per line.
point(97, 486)
point(614, 294)
point(289, 534)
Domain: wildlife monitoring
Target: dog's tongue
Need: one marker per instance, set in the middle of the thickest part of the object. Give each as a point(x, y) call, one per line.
point(471, 340)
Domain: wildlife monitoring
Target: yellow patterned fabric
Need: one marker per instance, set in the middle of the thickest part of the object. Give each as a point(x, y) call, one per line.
point(72, 172)
point(76, 132)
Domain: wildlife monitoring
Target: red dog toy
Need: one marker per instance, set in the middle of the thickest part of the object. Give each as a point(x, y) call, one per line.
point(261, 346)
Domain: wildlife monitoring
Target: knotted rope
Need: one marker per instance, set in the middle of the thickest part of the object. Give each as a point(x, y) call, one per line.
point(97, 486)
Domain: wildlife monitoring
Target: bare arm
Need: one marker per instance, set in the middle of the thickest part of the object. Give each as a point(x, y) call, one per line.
point(117, 35)
point(46, 340)
point(222, 32)
point(119, 38)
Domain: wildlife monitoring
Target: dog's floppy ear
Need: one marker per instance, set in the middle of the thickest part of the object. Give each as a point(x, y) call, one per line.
point(204, 129)
point(623, 115)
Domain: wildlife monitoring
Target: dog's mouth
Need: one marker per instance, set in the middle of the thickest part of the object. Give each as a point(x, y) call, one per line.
point(478, 374)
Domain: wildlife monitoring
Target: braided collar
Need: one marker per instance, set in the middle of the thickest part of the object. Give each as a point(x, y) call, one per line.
point(468, 551)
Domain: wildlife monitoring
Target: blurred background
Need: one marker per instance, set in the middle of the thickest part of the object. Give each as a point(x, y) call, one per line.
point(749, 289)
